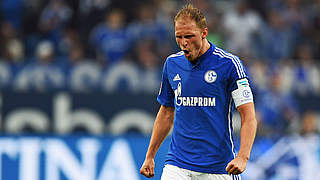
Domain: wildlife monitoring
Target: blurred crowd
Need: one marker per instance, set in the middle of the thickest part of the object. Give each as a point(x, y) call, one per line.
point(111, 46)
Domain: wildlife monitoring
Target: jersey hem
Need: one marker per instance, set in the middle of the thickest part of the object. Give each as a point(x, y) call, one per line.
point(196, 169)
point(164, 103)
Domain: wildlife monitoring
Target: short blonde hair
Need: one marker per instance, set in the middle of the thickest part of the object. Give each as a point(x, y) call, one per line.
point(189, 11)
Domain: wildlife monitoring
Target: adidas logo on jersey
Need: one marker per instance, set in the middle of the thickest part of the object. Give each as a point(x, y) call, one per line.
point(177, 78)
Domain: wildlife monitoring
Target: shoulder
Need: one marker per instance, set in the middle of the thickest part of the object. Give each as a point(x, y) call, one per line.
point(226, 57)
point(231, 62)
point(175, 58)
point(176, 55)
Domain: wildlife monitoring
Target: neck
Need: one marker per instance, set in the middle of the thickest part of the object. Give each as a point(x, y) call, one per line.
point(206, 46)
point(204, 49)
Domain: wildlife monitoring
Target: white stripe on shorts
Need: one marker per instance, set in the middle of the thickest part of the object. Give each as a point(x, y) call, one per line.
point(236, 177)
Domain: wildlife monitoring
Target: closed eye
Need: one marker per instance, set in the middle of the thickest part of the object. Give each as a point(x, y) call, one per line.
point(189, 36)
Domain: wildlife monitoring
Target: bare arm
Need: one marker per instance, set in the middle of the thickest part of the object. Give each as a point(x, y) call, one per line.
point(247, 133)
point(161, 128)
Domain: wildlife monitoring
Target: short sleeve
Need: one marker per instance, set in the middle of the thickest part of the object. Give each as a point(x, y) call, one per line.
point(237, 72)
point(240, 86)
point(166, 94)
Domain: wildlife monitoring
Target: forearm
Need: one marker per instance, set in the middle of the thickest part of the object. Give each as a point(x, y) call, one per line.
point(161, 128)
point(247, 132)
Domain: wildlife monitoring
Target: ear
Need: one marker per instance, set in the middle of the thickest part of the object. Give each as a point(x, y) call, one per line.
point(204, 33)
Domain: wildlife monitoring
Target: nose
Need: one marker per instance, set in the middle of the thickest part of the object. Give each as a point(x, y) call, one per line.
point(184, 42)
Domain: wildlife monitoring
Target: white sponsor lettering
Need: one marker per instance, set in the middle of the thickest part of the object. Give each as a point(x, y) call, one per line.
point(200, 101)
point(196, 101)
point(211, 102)
point(205, 102)
point(192, 101)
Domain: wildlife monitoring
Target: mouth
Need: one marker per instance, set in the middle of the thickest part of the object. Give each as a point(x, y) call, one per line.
point(186, 52)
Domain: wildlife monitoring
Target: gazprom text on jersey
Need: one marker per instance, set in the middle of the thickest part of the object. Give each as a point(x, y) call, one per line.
point(196, 101)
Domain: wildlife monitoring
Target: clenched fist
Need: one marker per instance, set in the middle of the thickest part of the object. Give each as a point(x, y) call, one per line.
point(147, 168)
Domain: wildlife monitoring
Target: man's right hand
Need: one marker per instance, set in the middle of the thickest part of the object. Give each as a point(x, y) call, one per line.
point(147, 168)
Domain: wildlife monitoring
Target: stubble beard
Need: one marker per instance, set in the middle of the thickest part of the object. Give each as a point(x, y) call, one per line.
point(193, 57)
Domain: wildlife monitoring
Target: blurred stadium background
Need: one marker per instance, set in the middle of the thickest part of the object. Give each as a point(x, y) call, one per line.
point(79, 79)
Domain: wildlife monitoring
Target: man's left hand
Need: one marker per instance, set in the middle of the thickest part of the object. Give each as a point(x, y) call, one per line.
point(237, 166)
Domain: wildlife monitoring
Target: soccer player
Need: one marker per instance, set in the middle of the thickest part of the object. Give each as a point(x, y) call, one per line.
point(199, 87)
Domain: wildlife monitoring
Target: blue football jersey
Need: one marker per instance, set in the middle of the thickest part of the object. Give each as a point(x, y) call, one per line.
point(201, 94)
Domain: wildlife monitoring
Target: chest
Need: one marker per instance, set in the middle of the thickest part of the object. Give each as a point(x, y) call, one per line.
point(210, 81)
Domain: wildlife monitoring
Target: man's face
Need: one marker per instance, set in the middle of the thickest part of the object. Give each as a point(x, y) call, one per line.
point(190, 37)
